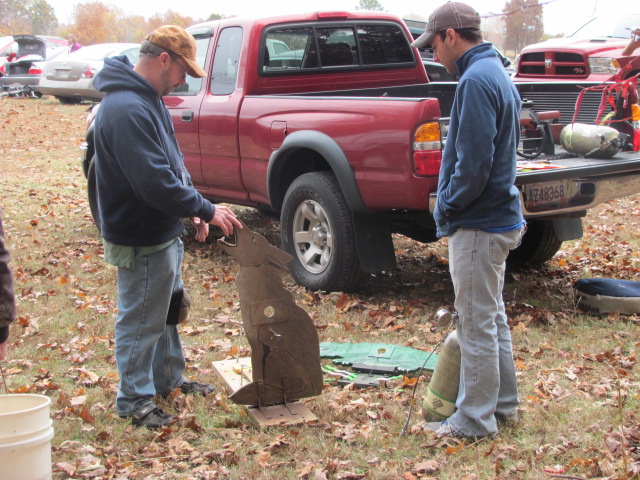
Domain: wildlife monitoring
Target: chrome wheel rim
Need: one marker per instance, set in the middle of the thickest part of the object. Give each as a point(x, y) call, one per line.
point(312, 236)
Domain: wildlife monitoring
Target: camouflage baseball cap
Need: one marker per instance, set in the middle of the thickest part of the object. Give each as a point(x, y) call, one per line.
point(179, 42)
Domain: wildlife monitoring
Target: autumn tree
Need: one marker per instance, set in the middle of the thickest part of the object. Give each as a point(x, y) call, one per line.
point(168, 18)
point(523, 23)
point(34, 16)
point(13, 18)
point(371, 5)
point(132, 28)
point(93, 23)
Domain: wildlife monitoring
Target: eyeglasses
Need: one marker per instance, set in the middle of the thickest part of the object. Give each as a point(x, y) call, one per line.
point(175, 60)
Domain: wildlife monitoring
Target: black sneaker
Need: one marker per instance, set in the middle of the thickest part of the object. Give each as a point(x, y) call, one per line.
point(149, 416)
point(196, 388)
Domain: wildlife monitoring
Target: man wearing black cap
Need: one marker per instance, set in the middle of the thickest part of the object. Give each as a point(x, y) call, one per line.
point(478, 208)
point(144, 192)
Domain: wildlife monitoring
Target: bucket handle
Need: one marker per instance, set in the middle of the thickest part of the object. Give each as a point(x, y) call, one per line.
point(4, 380)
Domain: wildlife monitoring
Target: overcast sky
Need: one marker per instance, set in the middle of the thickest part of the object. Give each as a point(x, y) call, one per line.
point(560, 16)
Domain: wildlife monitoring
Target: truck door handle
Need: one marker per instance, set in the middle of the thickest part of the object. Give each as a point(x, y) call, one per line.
point(187, 116)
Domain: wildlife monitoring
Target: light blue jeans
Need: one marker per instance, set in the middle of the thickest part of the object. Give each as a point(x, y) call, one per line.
point(487, 374)
point(148, 351)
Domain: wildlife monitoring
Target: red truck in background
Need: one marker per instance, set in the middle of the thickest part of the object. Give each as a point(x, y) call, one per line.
point(327, 119)
point(551, 74)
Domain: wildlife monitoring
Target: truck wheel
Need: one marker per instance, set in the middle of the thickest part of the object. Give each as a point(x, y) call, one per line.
point(538, 245)
point(316, 230)
point(92, 192)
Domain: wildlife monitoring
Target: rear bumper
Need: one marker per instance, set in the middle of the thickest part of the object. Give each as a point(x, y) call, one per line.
point(582, 194)
point(31, 82)
point(83, 89)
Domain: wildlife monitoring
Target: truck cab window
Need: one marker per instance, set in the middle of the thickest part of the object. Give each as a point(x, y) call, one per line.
point(300, 47)
point(337, 47)
point(383, 44)
point(291, 48)
point(225, 62)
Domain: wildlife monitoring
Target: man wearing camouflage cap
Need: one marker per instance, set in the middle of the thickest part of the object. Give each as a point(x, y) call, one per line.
point(144, 192)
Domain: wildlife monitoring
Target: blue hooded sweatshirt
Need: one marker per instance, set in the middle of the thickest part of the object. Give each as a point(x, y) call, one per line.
point(144, 189)
point(476, 183)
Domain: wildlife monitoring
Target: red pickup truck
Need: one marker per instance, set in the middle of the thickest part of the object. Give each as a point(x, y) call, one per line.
point(328, 119)
point(552, 73)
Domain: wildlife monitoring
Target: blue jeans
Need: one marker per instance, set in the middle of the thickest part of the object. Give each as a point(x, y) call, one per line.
point(487, 375)
point(148, 351)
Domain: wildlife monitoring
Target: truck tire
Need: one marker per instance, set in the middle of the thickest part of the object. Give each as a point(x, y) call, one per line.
point(316, 230)
point(538, 245)
point(92, 193)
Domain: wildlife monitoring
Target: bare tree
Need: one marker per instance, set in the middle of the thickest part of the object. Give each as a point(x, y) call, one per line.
point(371, 5)
point(523, 23)
point(493, 31)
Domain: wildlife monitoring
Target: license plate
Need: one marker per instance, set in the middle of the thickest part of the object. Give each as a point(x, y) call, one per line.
point(62, 73)
point(541, 196)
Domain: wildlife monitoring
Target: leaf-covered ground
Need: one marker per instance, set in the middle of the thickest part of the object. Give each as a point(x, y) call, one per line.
point(578, 374)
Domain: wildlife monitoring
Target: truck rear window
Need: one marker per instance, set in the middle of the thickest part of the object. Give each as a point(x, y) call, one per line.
point(312, 47)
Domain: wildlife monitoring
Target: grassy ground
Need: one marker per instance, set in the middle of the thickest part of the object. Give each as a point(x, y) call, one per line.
point(578, 374)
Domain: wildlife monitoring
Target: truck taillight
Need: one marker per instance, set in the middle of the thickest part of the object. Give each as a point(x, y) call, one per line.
point(331, 15)
point(427, 149)
point(635, 115)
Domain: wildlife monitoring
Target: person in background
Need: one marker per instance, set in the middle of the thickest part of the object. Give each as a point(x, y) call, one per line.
point(478, 208)
point(7, 296)
point(73, 43)
point(144, 192)
point(633, 43)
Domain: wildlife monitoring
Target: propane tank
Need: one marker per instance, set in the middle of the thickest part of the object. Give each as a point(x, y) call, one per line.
point(442, 392)
point(592, 140)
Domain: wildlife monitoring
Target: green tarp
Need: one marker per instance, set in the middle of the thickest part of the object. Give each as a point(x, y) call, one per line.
point(404, 359)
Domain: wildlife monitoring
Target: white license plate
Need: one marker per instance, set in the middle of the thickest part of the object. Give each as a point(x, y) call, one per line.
point(539, 196)
point(62, 73)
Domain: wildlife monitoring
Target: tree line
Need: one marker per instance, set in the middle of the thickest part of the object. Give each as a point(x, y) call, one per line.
point(93, 22)
point(519, 24)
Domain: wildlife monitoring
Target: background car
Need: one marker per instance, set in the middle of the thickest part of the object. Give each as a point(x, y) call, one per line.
point(69, 78)
point(30, 51)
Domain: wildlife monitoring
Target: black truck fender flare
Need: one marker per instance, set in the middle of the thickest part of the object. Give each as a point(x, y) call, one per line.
point(372, 230)
point(329, 150)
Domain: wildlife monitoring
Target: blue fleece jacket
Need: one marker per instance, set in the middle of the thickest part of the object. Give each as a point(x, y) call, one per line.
point(476, 184)
point(144, 189)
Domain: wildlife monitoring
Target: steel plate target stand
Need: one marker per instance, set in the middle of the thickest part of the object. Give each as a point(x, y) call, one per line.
point(285, 355)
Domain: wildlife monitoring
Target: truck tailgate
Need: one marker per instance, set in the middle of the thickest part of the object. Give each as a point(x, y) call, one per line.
point(568, 183)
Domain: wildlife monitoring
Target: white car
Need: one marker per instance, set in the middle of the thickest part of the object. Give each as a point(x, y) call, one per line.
point(69, 78)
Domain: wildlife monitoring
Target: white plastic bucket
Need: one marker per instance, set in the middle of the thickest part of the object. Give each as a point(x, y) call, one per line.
point(25, 437)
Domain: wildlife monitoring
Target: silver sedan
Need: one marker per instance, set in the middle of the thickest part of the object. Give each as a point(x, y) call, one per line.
point(69, 78)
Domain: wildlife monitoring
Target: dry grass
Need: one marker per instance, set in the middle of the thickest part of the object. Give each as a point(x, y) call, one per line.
point(578, 375)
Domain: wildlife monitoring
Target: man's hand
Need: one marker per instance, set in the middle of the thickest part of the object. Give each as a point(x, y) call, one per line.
point(633, 44)
point(202, 229)
point(225, 219)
